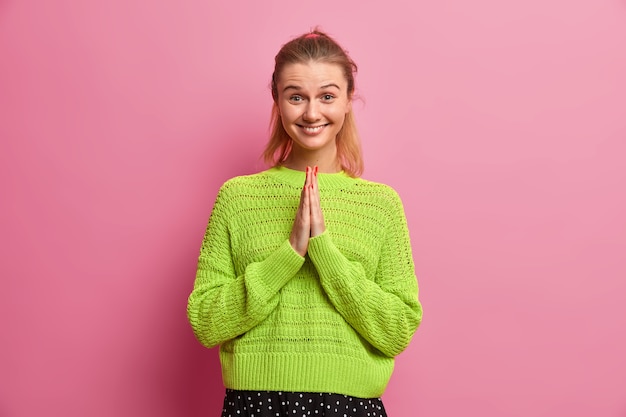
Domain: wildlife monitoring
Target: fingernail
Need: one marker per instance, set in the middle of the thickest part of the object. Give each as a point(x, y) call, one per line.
point(316, 170)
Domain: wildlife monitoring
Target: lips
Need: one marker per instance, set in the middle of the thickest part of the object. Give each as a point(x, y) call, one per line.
point(312, 130)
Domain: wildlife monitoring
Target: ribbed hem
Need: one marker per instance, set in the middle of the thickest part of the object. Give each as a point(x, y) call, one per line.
point(277, 269)
point(306, 373)
point(325, 255)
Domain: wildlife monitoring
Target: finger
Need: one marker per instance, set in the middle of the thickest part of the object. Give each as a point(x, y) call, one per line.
point(306, 197)
point(313, 183)
point(317, 216)
point(304, 187)
point(309, 174)
point(315, 187)
point(304, 212)
point(314, 200)
point(305, 217)
point(301, 229)
point(304, 209)
point(317, 221)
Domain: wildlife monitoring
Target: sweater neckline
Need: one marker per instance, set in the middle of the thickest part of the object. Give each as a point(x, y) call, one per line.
point(296, 178)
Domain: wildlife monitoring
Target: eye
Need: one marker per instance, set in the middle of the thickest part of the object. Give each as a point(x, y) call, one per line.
point(295, 99)
point(328, 97)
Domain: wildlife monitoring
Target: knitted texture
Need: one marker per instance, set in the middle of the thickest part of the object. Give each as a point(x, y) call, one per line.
point(331, 321)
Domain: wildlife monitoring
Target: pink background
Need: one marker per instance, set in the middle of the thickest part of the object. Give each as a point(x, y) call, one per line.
point(502, 124)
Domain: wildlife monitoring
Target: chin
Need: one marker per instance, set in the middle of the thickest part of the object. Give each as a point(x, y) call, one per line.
point(313, 145)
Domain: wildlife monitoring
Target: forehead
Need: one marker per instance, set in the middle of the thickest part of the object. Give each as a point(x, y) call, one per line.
point(313, 74)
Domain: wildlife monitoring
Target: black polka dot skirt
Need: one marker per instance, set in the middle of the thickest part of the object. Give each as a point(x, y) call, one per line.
point(298, 404)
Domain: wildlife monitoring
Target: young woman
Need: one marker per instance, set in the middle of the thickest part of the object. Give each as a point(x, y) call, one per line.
point(305, 277)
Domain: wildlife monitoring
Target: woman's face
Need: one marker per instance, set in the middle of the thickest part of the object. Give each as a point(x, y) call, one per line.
point(313, 102)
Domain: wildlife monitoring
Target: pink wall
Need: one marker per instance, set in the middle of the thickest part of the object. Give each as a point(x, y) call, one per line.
point(502, 125)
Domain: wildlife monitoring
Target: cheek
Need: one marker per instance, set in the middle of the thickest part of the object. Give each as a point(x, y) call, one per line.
point(287, 112)
point(339, 113)
point(341, 109)
point(287, 117)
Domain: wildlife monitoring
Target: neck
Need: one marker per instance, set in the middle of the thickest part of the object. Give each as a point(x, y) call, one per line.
point(326, 160)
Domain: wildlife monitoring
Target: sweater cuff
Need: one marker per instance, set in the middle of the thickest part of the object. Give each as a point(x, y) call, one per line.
point(278, 268)
point(326, 256)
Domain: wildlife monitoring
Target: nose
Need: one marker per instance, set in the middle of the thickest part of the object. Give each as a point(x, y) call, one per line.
point(311, 112)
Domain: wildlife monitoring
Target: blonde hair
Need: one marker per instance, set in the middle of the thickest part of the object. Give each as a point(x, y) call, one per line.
point(315, 46)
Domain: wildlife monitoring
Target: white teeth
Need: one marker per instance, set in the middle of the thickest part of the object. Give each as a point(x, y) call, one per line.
point(313, 129)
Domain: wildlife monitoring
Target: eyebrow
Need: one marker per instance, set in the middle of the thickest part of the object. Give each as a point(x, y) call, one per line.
point(295, 87)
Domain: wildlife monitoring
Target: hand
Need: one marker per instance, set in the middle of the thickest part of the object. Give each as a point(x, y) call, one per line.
point(317, 217)
point(309, 221)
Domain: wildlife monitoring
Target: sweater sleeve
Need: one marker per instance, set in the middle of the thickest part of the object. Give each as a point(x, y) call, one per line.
point(385, 311)
point(224, 305)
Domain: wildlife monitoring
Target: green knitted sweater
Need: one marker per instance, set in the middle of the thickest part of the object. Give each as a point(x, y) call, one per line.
point(331, 321)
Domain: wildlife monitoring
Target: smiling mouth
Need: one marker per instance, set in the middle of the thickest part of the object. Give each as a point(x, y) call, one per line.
point(312, 129)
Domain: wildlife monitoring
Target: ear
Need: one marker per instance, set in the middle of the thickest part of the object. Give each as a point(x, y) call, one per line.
point(349, 106)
